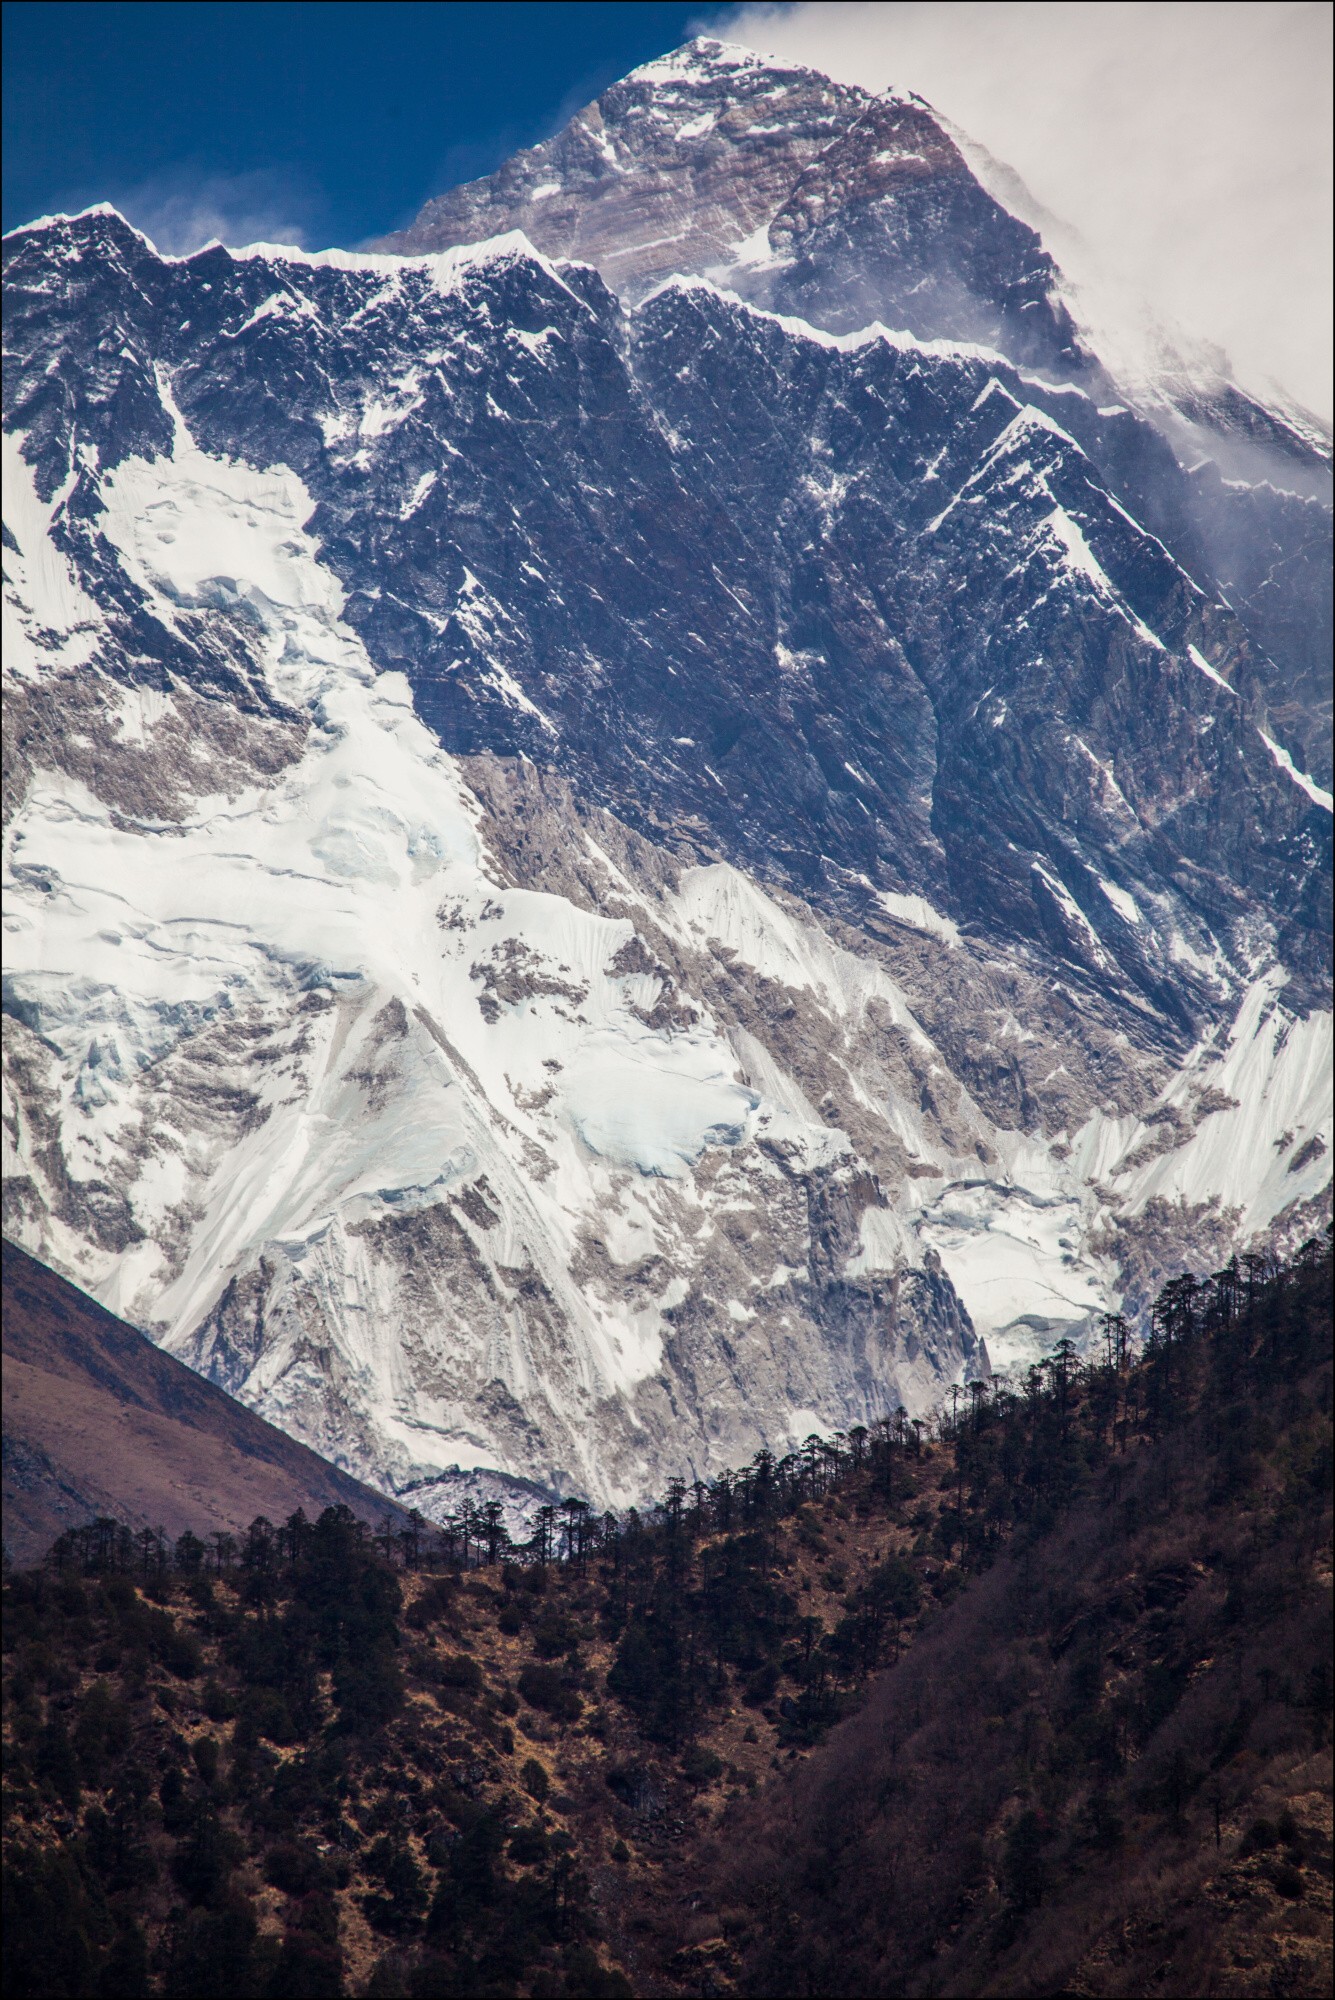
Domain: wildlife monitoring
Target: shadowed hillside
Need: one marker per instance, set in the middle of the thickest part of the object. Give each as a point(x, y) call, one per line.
point(100, 1421)
point(1035, 1700)
point(1106, 1769)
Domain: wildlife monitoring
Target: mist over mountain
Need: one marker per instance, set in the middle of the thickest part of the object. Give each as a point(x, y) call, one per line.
point(657, 817)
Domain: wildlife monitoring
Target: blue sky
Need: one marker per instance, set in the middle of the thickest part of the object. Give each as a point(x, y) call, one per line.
point(322, 123)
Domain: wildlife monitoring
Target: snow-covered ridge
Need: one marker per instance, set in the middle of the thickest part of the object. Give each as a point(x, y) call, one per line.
point(703, 57)
point(1316, 793)
point(449, 1107)
point(707, 61)
point(840, 343)
point(446, 267)
point(60, 219)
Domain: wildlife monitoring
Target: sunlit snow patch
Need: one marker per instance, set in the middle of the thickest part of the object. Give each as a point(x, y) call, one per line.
point(1267, 1144)
point(1198, 659)
point(1316, 793)
point(1015, 1259)
point(656, 1115)
point(917, 912)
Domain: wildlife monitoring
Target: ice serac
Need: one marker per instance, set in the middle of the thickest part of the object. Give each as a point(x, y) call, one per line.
point(597, 878)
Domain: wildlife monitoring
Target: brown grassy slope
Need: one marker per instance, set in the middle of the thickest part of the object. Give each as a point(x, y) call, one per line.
point(98, 1421)
point(454, 1762)
point(1104, 1770)
point(1025, 1803)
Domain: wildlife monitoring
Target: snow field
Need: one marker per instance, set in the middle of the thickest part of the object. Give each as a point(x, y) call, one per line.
point(1277, 1071)
point(430, 1031)
point(332, 882)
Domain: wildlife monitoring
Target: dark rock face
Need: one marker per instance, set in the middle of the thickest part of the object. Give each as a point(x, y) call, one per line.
point(857, 617)
point(845, 209)
point(889, 216)
point(1270, 550)
point(890, 707)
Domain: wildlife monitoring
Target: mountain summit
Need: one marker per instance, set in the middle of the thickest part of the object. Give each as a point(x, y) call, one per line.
point(802, 194)
point(654, 818)
point(844, 208)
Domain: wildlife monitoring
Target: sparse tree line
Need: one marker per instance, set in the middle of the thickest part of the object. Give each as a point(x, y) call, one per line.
point(312, 1654)
point(693, 1590)
point(691, 1586)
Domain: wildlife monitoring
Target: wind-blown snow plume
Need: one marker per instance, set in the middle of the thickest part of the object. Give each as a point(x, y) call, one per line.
point(599, 877)
point(1186, 148)
point(181, 211)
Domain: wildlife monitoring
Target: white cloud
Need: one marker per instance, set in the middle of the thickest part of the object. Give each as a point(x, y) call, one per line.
point(1187, 145)
point(181, 211)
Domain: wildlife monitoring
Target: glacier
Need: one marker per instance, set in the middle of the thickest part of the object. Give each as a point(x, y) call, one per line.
point(570, 912)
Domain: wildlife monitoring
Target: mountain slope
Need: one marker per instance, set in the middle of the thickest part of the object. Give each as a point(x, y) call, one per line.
point(599, 882)
point(847, 208)
point(1105, 1768)
point(1079, 1639)
point(98, 1421)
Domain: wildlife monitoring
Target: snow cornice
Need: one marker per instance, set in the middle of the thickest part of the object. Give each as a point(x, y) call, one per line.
point(962, 351)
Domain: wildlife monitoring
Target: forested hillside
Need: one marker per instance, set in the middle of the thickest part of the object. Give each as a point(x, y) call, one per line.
point(1106, 1769)
point(1032, 1700)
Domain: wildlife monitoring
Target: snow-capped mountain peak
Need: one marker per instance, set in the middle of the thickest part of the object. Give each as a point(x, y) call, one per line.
point(623, 843)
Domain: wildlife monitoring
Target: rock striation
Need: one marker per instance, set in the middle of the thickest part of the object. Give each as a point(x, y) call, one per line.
point(611, 862)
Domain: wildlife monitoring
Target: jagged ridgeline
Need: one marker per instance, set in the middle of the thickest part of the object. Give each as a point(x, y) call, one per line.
point(656, 818)
point(1032, 1697)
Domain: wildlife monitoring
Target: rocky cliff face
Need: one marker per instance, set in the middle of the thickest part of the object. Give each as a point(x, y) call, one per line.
point(845, 209)
point(603, 876)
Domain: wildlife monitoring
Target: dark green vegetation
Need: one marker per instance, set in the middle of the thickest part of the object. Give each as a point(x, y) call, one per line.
point(1035, 1700)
